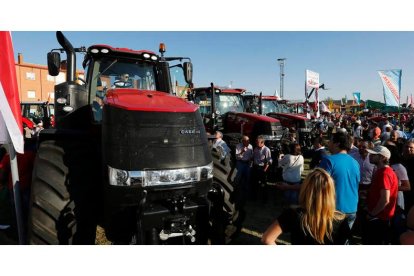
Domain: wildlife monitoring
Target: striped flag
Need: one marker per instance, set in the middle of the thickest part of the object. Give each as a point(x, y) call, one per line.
point(391, 80)
point(11, 129)
point(10, 112)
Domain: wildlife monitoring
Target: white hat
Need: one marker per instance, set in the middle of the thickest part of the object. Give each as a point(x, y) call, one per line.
point(380, 150)
point(358, 122)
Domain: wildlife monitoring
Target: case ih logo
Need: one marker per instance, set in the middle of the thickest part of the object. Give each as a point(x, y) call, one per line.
point(190, 131)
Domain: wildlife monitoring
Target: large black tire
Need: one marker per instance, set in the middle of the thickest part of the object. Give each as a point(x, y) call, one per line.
point(63, 206)
point(227, 214)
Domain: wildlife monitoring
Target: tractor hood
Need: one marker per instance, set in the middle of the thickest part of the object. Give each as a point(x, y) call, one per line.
point(146, 100)
point(245, 116)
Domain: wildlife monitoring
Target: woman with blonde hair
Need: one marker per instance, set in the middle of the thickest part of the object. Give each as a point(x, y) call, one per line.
point(316, 220)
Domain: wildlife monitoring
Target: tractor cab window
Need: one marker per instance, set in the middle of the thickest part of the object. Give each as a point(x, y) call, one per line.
point(179, 85)
point(203, 100)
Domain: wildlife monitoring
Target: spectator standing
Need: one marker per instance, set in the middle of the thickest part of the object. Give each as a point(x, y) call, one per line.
point(386, 124)
point(262, 159)
point(244, 157)
point(345, 171)
point(385, 135)
point(365, 167)
point(293, 166)
point(398, 221)
point(220, 145)
point(401, 134)
point(318, 152)
point(365, 131)
point(408, 162)
point(381, 200)
point(317, 220)
point(397, 140)
point(357, 131)
point(375, 134)
point(353, 149)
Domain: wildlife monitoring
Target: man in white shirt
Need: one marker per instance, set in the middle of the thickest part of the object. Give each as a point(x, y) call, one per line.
point(244, 157)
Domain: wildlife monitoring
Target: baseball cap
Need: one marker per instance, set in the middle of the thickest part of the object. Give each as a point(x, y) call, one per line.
point(380, 150)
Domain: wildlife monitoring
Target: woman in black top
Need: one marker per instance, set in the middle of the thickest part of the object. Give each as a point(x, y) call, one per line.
point(316, 221)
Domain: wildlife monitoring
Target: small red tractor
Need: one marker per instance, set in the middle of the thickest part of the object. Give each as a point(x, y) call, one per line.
point(39, 112)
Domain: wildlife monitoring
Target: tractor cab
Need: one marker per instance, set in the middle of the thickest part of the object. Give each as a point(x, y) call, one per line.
point(214, 109)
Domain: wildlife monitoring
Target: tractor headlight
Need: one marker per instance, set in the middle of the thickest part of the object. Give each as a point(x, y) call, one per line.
point(148, 178)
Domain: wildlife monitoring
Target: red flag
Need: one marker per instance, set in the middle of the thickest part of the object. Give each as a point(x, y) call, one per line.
point(10, 112)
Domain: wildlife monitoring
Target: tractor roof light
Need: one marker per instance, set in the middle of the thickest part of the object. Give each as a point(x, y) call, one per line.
point(162, 48)
point(154, 58)
point(104, 51)
point(94, 51)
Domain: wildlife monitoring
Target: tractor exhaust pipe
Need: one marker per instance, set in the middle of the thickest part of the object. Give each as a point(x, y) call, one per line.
point(71, 56)
point(260, 104)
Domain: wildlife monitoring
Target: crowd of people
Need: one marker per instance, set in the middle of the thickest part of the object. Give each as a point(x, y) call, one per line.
point(359, 184)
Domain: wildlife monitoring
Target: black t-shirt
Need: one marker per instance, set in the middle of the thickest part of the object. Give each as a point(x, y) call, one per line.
point(317, 156)
point(408, 163)
point(290, 222)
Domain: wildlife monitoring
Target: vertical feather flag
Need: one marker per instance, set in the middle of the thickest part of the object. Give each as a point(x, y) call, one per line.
point(391, 80)
point(357, 97)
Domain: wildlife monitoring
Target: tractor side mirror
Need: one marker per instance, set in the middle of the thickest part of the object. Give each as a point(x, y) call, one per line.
point(188, 72)
point(53, 63)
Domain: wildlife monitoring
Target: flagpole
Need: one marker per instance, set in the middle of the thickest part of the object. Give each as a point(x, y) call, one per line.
point(16, 191)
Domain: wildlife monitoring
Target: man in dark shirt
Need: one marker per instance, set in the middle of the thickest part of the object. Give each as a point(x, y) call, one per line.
point(318, 152)
point(408, 162)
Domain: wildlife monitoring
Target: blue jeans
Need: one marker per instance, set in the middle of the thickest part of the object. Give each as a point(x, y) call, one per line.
point(350, 217)
point(292, 196)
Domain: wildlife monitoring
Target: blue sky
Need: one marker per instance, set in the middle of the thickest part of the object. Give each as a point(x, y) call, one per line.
point(346, 61)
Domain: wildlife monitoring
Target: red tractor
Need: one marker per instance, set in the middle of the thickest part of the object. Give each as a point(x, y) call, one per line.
point(124, 154)
point(291, 122)
point(39, 112)
point(225, 112)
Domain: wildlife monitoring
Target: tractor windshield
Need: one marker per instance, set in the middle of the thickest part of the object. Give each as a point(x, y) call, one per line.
point(225, 102)
point(229, 102)
point(113, 73)
point(270, 106)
